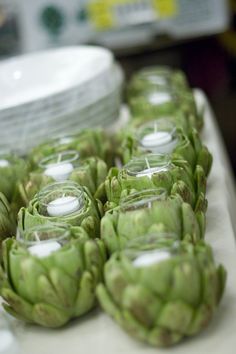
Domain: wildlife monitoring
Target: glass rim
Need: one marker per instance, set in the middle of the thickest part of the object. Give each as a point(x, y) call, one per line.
point(139, 200)
point(153, 237)
point(162, 162)
point(43, 163)
point(22, 239)
point(157, 122)
point(69, 186)
point(151, 244)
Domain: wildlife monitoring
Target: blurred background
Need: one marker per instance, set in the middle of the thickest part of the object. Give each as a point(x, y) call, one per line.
point(196, 36)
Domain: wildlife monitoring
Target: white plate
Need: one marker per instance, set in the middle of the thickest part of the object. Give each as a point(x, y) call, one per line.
point(34, 131)
point(31, 77)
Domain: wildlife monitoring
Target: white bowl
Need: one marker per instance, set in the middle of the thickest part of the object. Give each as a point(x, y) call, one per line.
point(32, 77)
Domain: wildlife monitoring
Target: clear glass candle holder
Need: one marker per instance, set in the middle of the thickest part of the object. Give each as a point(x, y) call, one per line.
point(148, 165)
point(142, 199)
point(152, 249)
point(42, 240)
point(59, 166)
point(60, 199)
point(158, 136)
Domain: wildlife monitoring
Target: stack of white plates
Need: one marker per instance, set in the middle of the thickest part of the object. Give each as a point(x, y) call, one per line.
point(57, 92)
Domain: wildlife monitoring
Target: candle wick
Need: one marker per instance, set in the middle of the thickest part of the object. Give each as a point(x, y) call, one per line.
point(59, 158)
point(37, 236)
point(148, 166)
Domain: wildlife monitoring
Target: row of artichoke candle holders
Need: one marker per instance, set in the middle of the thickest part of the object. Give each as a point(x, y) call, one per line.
point(63, 167)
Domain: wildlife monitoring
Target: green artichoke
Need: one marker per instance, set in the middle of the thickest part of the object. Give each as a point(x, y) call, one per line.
point(86, 142)
point(13, 170)
point(7, 221)
point(50, 289)
point(161, 76)
point(90, 172)
point(154, 171)
point(65, 202)
point(161, 136)
point(161, 292)
point(149, 211)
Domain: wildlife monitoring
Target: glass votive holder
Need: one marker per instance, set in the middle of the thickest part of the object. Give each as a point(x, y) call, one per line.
point(147, 165)
point(152, 249)
point(158, 136)
point(60, 165)
point(60, 199)
point(42, 240)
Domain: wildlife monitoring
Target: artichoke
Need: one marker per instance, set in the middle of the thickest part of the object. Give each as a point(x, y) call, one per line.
point(65, 202)
point(161, 136)
point(149, 211)
point(13, 170)
point(162, 291)
point(50, 288)
point(86, 142)
point(7, 221)
point(90, 172)
point(154, 171)
point(161, 76)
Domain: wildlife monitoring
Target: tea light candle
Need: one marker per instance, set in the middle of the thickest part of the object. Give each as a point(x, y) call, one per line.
point(156, 139)
point(4, 163)
point(147, 259)
point(63, 206)
point(159, 98)
point(44, 249)
point(59, 172)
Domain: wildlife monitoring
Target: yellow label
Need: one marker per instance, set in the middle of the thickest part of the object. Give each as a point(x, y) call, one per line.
point(102, 13)
point(165, 8)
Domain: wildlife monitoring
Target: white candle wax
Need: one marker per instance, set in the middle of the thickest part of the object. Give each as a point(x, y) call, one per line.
point(4, 163)
point(159, 98)
point(156, 139)
point(63, 206)
point(44, 249)
point(147, 259)
point(59, 172)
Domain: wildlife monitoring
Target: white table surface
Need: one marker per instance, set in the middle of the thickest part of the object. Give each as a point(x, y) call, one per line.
point(96, 333)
